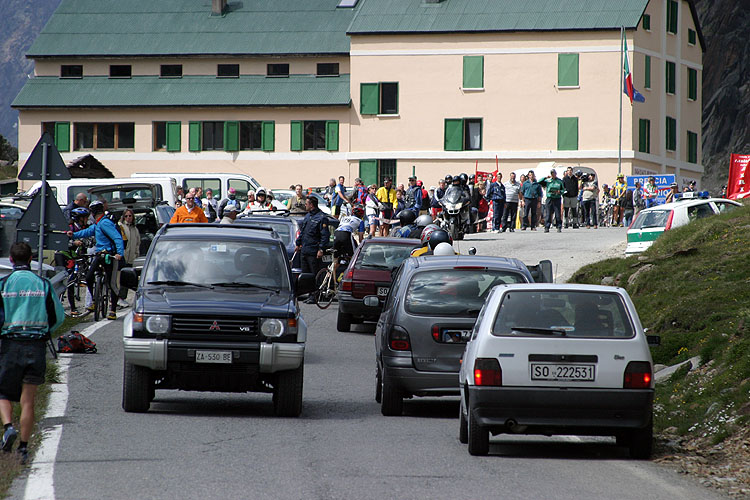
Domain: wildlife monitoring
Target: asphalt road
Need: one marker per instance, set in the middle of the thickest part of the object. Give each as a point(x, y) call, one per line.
point(211, 445)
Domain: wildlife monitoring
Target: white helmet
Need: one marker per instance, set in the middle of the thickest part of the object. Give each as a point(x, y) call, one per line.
point(444, 249)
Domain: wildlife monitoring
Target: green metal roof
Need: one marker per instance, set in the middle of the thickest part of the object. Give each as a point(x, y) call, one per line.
point(152, 91)
point(186, 27)
point(418, 16)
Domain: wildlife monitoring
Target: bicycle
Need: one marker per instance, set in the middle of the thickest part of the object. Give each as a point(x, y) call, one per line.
point(101, 289)
point(326, 291)
point(76, 284)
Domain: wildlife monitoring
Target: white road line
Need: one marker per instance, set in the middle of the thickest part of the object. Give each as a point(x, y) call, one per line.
point(40, 483)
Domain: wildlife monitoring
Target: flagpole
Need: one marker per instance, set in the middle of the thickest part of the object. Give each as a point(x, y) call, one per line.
point(619, 140)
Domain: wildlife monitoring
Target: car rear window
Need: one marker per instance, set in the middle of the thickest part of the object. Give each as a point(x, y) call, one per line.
point(454, 292)
point(283, 229)
point(655, 218)
point(383, 256)
point(562, 314)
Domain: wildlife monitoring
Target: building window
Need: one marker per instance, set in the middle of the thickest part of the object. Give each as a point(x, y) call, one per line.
point(104, 136)
point(473, 72)
point(213, 136)
point(646, 22)
point(278, 70)
point(644, 136)
point(328, 69)
point(567, 70)
point(60, 132)
point(166, 136)
point(315, 135)
point(170, 71)
point(672, 7)
point(567, 134)
point(462, 134)
point(647, 73)
point(670, 77)
point(692, 150)
point(120, 71)
point(671, 134)
point(692, 84)
point(378, 98)
point(257, 136)
point(71, 71)
point(691, 37)
point(228, 70)
point(375, 171)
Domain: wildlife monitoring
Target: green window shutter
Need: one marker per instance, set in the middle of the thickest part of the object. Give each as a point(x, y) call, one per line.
point(268, 135)
point(567, 70)
point(194, 141)
point(671, 134)
point(368, 171)
point(473, 72)
point(369, 95)
point(332, 135)
point(691, 37)
point(567, 134)
point(173, 136)
point(231, 136)
point(670, 77)
point(692, 84)
point(644, 136)
point(62, 136)
point(454, 134)
point(692, 147)
point(296, 133)
point(646, 22)
point(647, 73)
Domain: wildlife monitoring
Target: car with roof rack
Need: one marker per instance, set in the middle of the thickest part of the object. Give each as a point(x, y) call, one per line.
point(215, 310)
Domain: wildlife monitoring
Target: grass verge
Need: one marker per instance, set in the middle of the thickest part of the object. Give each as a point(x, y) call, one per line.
point(693, 289)
point(10, 466)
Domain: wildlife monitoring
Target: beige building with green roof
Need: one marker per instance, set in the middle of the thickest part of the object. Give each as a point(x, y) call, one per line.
point(304, 90)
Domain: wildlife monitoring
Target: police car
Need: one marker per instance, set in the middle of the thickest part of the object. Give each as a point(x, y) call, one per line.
point(651, 223)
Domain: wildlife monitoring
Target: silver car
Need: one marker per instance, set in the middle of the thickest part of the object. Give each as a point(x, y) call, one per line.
point(430, 309)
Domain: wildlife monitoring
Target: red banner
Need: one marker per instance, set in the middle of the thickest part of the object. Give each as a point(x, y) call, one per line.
point(739, 177)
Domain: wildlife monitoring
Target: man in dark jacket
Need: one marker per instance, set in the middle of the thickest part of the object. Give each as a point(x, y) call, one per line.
point(496, 194)
point(81, 201)
point(570, 199)
point(531, 191)
point(313, 239)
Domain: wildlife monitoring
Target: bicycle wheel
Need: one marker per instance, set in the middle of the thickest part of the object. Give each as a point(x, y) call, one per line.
point(97, 293)
point(326, 291)
point(104, 298)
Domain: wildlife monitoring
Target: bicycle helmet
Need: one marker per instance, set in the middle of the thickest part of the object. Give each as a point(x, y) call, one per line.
point(439, 236)
point(80, 212)
point(406, 217)
point(427, 231)
point(424, 220)
point(358, 211)
point(96, 207)
point(443, 249)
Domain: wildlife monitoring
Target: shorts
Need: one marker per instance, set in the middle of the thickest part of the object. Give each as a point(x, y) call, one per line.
point(21, 362)
point(342, 244)
point(372, 220)
point(386, 215)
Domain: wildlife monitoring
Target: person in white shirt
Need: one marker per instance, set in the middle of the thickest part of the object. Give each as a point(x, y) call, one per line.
point(210, 206)
point(512, 187)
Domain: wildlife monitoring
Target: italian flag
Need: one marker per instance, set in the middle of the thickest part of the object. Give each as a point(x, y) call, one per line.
point(628, 88)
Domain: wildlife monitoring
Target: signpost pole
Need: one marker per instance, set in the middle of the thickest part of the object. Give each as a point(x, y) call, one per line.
point(43, 192)
point(619, 141)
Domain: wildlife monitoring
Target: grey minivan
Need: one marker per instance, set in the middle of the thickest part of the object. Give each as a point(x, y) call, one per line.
point(430, 310)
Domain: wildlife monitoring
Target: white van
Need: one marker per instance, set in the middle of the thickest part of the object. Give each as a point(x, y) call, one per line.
point(218, 183)
point(66, 191)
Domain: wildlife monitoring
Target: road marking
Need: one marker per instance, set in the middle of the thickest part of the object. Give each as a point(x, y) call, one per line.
point(40, 483)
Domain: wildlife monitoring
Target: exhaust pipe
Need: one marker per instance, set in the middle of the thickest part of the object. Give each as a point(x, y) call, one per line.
point(513, 426)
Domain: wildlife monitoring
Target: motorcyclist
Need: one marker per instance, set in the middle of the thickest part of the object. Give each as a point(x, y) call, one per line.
point(422, 222)
point(443, 249)
point(407, 218)
point(430, 240)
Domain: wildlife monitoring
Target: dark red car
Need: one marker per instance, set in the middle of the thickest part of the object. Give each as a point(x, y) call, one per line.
point(369, 273)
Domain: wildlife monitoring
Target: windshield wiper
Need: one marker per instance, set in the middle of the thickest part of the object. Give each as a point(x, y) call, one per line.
point(240, 284)
point(177, 283)
point(540, 331)
point(376, 266)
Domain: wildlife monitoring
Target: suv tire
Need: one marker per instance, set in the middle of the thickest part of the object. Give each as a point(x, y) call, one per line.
point(641, 442)
point(287, 394)
point(137, 387)
point(479, 437)
point(343, 322)
point(378, 387)
point(392, 401)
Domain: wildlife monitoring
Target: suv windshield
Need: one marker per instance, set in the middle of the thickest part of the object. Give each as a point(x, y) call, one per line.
point(204, 262)
point(454, 292)
point(380, 256)
point(656, 218)
point(564, 314)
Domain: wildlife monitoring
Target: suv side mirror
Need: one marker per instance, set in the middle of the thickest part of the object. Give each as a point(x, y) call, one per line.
point(305, 284)
point(128, 278)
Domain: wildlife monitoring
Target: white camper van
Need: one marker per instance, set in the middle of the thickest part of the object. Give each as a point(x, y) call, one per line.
point(218, 183)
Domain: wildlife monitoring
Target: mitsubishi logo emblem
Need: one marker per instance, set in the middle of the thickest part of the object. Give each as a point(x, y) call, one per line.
point(215, 326)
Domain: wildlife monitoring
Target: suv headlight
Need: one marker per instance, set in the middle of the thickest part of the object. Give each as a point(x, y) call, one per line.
point(271, 327)
point(151, 323)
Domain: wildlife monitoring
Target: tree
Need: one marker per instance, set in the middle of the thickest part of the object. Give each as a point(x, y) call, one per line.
point(7, 151)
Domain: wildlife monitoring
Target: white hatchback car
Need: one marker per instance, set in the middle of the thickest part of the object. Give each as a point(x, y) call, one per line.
point(558, 359)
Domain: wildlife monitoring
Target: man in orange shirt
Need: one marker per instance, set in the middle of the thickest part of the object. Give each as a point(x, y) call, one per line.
point(189, 212)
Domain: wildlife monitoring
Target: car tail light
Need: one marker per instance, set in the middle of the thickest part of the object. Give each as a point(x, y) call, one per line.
point(487, 372)
point(669, 220)
point(399, 339)
point(436, 333)
point(346, 283)
point(637, 375)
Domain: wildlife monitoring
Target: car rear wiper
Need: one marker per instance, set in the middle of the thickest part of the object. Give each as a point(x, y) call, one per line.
point(376, 266)
point(177, 283)
point(540, 331)
point(241, 284)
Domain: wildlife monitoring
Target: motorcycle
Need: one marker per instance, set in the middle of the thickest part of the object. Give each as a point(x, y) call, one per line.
point(456, 214)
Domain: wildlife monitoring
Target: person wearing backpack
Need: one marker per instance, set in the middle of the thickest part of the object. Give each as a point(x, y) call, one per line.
point(31, 311)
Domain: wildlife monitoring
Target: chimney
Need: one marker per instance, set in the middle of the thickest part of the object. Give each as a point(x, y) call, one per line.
point(218, 7)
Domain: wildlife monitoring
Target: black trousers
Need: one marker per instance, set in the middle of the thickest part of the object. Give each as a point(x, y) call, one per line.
point(110, 278)
point(311, 264)
point(509, 214)
point(529, 209)
point(554, 207)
